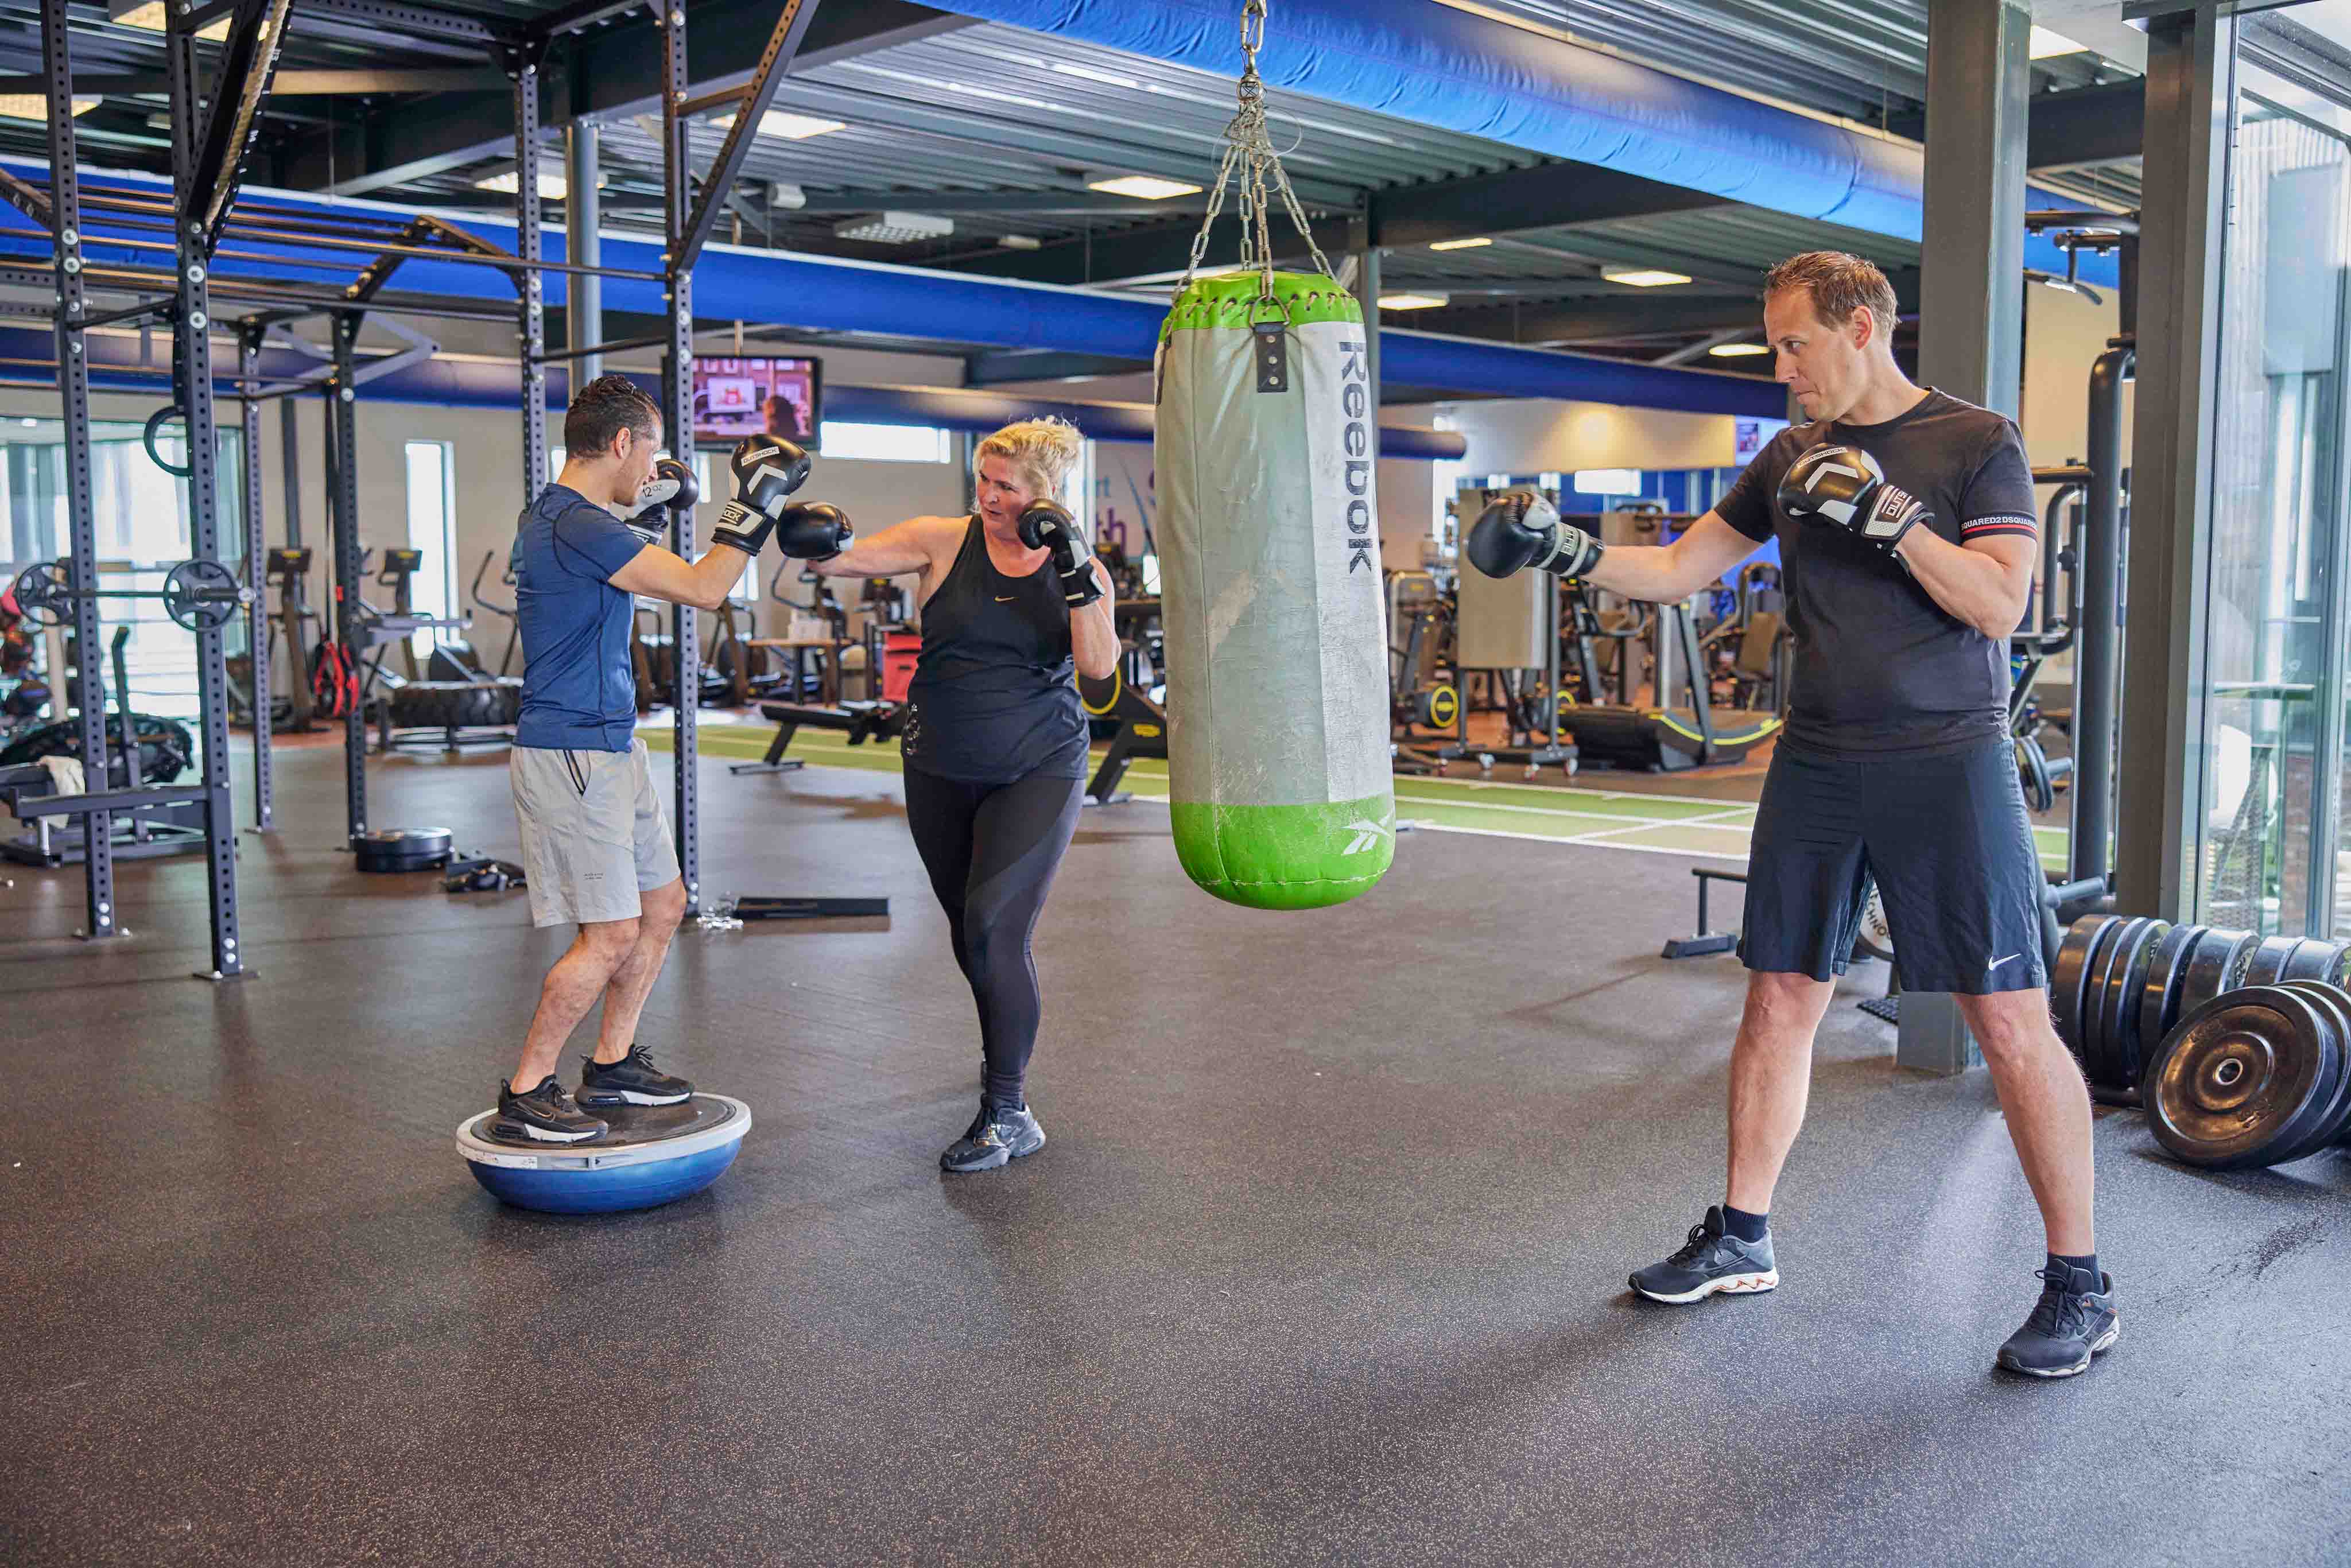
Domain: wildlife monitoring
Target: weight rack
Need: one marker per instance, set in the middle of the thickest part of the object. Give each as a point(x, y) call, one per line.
point(212, 129)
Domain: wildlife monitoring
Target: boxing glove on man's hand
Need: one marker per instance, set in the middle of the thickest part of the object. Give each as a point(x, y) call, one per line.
point(1520, 529)
point(813, 530)
point(1845, 488)
point(1047, 526)
point(672, 487)
point(766, 471)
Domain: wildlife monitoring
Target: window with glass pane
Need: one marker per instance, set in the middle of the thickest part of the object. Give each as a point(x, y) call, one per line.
point(432, 529)
point(884, 442)
point(140, 516)
point(2273, 716)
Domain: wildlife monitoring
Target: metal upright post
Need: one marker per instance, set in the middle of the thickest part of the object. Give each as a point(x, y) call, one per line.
point(256, 555)
point(1971, 306)
point(1367, 295)
point(82, 528)
point(192, 354)
point(343, 523)
point(2160, 795)
point(2098, 561)
point(583, 293)
point(677, 412)
point(523, 65)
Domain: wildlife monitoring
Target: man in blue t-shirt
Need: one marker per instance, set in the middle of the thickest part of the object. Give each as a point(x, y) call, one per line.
point(596, 842)
point(1907, 526)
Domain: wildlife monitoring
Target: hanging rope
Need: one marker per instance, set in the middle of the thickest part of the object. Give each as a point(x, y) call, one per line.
point(1250, 158)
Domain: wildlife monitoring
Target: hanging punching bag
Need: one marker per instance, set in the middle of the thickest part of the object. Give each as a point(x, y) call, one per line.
point(1280, 781)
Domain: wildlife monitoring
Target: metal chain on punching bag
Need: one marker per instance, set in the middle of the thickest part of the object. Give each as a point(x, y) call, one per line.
point(1279, 791)
point(1250, 157)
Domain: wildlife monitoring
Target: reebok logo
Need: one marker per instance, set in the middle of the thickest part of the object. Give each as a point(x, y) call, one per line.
point(1354, 401)
point(1368, 834)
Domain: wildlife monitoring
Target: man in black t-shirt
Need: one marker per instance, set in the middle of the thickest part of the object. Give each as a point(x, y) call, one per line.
point(1908, 538)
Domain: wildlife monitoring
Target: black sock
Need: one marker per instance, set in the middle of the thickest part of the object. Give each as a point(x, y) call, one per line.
point(1748, 1228)
point(2087, 1262)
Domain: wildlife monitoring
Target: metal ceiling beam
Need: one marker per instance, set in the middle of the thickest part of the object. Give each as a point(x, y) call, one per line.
point(1002, 365)
point(2078, 125)
point(1547, 196)
point(620, 67)
point(287, 83)
point(1610, 320)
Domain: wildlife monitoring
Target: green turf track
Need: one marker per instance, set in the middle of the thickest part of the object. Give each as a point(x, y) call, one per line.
point(1613, 819)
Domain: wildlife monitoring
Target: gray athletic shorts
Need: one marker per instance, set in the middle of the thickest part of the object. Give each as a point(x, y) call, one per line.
point(594, 835)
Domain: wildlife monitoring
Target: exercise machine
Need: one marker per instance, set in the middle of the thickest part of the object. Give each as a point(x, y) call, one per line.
point(1661, 738)
point(860, 721)
point(1137, 727)
point(142, 749)
point(408, 713)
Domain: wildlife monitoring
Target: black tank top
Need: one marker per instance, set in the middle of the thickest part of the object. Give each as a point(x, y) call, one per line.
point(995, 697)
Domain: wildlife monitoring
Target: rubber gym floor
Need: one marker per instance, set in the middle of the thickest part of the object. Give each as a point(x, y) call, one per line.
point(1325, 1261)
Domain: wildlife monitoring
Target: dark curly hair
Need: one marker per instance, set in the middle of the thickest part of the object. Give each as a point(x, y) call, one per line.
point(605, 407)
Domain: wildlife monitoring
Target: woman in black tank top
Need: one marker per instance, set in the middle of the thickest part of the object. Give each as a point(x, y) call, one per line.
point(995, 745)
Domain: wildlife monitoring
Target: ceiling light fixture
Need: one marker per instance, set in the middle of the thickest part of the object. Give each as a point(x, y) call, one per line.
point(553, 184)
point(1414, 301)
point(2048, 46)
point(148, 15)
point(1020, 241)
point(895, 228)
point(786, 126)
point(1736, 351)
point(1143, 187)
point(34, 106)
point(1644, 276)
point(1458, 244)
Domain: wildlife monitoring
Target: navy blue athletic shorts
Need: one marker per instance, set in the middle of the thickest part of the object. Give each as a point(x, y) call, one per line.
point(1947, 837)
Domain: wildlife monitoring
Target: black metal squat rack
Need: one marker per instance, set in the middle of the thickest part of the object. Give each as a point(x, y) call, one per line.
point(213, 132)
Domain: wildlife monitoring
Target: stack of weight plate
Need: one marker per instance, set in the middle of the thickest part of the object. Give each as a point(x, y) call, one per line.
point(2238, 1046)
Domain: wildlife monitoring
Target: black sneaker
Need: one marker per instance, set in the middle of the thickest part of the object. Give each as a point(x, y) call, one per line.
point(996, 1137)
point(1711, 1261)
point(546, 1114)
point(632, 1081)
point(2070, 1323)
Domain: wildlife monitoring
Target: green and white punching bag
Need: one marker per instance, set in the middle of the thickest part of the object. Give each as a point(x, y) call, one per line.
point(1269, 578)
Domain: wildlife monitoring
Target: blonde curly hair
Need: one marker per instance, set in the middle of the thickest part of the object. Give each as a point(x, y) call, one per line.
point(1042, 452)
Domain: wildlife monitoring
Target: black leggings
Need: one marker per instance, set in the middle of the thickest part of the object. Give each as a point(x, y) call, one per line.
point(991, 851)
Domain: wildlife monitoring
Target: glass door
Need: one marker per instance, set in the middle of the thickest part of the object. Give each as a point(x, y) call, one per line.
point(2274, 740)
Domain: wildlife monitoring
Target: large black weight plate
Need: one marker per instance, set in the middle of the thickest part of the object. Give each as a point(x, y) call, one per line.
point(2167, 978)
point(42, 595)
point(403, 849)
point(2093, 997)
point(2242, 1079)
point(2269, 960)
point(2127, 977)
point(2316, 959)
point(2330, 1124)
point(2212, 966)
point(202, 595)
point(2071, 974)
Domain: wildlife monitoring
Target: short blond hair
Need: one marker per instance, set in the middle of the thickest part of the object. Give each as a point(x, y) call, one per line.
point(1041, 451)
point(1838, 285)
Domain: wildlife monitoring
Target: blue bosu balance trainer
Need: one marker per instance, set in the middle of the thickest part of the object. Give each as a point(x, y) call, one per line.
point(654, 1154)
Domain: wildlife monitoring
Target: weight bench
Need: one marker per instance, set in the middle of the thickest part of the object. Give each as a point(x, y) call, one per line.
point(861, 721)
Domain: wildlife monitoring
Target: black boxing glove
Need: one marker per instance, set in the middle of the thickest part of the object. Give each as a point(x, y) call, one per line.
point(1519, 529)
point(1047, 526)
point(766, 471)
point(671, 487)
point(1845, 488)
point(813, 530)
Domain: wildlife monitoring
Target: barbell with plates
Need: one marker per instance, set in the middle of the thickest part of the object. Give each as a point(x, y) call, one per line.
point(200, 595)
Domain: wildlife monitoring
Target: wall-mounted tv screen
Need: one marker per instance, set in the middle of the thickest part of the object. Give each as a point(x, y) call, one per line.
point(736, 398)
